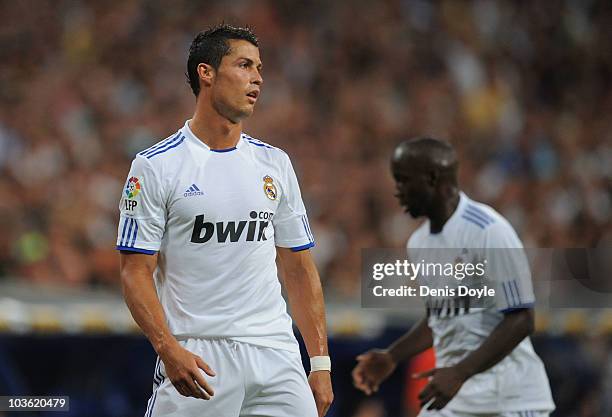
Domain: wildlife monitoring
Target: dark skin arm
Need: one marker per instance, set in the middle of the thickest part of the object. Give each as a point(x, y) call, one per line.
point(182, 366)
point(376, 365)
point(445, 382)
point(303, 286)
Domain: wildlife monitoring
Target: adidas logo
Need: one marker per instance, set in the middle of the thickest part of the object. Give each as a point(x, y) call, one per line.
point(192, 191)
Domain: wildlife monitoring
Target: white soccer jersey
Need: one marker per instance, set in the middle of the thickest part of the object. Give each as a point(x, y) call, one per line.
point(474, 233)
point(215, 217)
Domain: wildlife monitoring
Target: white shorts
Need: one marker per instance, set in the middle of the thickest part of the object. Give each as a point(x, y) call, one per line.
point(250, 381)
point(449, 413)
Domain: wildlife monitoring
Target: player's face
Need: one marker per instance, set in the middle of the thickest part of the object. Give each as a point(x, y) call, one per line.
point(413, 190)
point(237, 81)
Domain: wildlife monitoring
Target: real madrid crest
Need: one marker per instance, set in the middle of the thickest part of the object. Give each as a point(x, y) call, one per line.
point(269, 188)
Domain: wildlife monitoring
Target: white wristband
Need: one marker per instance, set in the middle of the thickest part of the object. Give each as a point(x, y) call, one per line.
point(320, 363)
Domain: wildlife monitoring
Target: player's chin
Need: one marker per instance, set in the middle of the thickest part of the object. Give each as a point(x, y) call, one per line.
point(247, 110)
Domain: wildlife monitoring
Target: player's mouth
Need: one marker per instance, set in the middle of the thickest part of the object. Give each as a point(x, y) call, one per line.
point(253, 96)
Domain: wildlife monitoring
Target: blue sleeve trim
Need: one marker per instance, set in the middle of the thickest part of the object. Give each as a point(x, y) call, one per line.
point(518, 307)
point(303, 247)
point(130, 249)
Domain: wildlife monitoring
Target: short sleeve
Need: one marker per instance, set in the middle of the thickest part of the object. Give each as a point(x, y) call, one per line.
point(508, 268)
point(291, 226)
point(142, 210)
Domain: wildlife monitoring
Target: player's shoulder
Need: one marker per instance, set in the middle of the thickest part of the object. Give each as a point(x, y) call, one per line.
point(479, 215)
point(165, 150)
point(485, 219)
point(264, 150)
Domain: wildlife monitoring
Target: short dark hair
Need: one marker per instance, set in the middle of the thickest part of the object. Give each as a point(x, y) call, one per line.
point(210, 46)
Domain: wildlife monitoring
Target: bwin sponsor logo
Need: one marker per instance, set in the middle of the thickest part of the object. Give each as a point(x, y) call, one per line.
point(232, 231)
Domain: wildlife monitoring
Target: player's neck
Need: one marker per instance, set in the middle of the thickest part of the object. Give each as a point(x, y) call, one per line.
point(215, 131)
point(445, 211)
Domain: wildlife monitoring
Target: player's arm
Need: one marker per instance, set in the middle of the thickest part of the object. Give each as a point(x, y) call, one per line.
point(376, 365)
point(303, 286)
point(445, 382)
point(515, 326)
point(182, 366)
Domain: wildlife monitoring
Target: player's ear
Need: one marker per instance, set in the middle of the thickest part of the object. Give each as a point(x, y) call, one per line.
point(206, 74)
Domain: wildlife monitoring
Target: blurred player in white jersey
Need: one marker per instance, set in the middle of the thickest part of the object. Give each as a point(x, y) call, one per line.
point(485, 363)
point(204, 215)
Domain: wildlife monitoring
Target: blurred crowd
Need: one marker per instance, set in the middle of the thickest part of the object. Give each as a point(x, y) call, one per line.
point(522, 89)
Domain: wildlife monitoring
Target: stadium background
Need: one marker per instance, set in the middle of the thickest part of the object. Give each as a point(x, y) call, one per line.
point(522, 89)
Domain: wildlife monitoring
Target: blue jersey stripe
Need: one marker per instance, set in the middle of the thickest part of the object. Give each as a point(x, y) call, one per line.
point(151, 403)
point(167, 148)
point(506, 294)
point(518, 295)
point(473, 220)
point(476, 214)
point(125, 221)
point(257, 142)
point(511, 292)
point(129, 233)
point(262, 145)
point(480, 212)
point(156, 376)
point(308, 227)
point(135, 233)
point(161, 144)
point(305, 224)
point(514, 295)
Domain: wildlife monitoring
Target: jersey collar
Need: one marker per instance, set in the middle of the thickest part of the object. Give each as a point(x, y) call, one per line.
point(194, 139)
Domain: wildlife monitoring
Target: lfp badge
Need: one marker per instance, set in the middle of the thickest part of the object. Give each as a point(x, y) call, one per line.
point(132, 187)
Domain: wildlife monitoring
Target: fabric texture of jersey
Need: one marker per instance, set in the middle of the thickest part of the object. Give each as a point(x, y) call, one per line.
point(475, 233)
point(215, 218)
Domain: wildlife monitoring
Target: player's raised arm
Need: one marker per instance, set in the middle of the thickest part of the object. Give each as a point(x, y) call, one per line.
point(303, 286)
point(375, 366)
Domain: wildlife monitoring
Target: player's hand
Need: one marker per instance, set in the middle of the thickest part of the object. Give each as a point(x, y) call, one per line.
point(373, 368)
point(442, 387)
point(320, 384)
point(183, 370)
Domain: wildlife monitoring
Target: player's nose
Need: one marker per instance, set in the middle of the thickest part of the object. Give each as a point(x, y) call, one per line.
point(257, 80)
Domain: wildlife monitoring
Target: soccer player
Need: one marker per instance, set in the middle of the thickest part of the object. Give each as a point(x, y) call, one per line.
point(204, 215)
point(485, 363)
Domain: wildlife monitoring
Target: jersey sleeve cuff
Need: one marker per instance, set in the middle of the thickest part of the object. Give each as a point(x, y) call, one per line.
point(303, 247)
point(517, 307)
point(137, 250)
